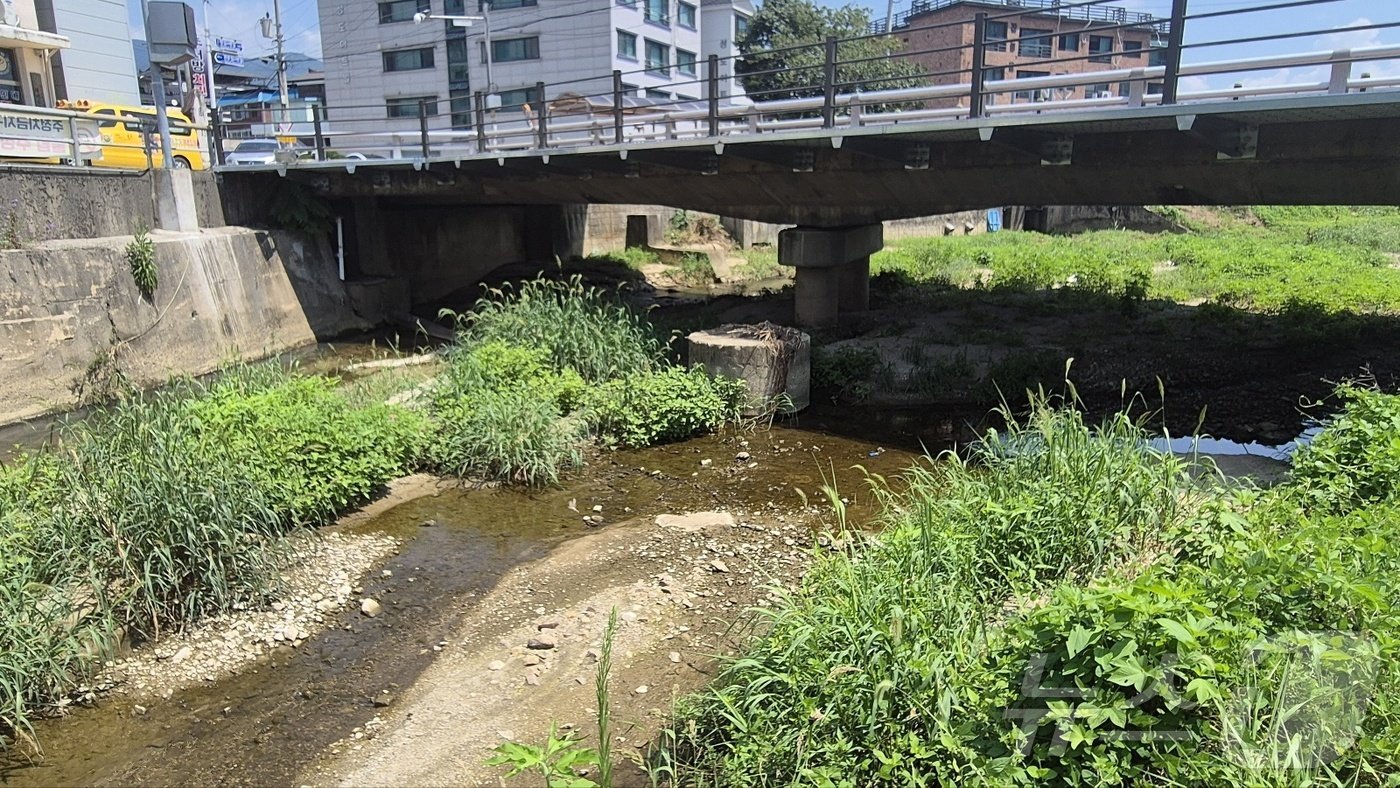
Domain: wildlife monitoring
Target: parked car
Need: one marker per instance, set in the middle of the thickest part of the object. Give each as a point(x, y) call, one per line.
point(128, 132)
point(266, 151)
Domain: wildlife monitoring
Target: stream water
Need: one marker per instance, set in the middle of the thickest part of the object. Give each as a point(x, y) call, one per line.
point(265, 725)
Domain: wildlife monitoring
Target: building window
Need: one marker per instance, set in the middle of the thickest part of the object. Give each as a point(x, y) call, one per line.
point(658, 94)
point(1154, 88)
point(658, 58)
point(996, 36)
point(629, 90)
point(515, 100)
point(457, 71)
point(407, 106)
point(1035, 43)
point(1042, 94)
point(1156, 57)
point(685, 15)
point(504, 5)
point(1069, 42)
point(627, 3)
point(655, 11)
point(741, 27)
point(1099, 90)
point(461, 101)
point(402, 10)
point(513, 49)
point(993, 74)
point(685, 62)
point(1132, 49)
point(408, 59)
point(1101, 49)
point(626, 45)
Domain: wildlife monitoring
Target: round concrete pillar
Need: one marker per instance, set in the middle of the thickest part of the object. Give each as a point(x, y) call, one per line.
point(855, 286)
point(773, 361)
point(818, 296)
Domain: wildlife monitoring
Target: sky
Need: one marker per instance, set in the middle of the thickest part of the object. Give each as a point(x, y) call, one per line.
point(239, 19)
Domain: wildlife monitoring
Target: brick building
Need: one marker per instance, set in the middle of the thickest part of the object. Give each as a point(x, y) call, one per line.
point(1028, 38)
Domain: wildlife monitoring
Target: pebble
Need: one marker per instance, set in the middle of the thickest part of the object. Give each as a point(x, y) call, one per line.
point(496, 664)
point(706, 463)
point(370, 607)
point(743, 456)
point(542, 643)
point(674, 656)
point(642, 690)
point(718, 566)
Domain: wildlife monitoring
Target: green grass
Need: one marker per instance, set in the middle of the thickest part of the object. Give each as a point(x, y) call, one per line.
point(538, 372)
point(1328, 259)
point(633, 257)
point(163, 509)
point(1049, 609)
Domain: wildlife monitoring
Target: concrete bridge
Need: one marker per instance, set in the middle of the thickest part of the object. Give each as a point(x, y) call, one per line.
point(838, 162)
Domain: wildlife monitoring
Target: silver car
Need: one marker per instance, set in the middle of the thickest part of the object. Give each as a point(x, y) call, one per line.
point(265, 151)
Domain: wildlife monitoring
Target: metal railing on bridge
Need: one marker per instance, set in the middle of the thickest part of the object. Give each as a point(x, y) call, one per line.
point(1118, 61)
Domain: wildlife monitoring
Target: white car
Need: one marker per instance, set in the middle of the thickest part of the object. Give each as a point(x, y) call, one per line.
point(264, 151)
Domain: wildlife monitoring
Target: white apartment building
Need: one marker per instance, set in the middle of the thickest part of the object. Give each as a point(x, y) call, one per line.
point(380, 64)
point(65, 49)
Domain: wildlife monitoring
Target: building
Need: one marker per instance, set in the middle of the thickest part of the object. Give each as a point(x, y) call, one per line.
point(98, 66)
point(1028, 38)
point(379, 61)
point(26, 56)
point(722, 22)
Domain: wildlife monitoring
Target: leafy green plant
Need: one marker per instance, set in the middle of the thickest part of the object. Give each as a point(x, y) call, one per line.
point(1356, 460)
point(634, 257)
point(695, 269)
point(846, 372)
point(668, 405)
point(293, 206)
point(582, 328)
point(555, 760)
point(141, 257)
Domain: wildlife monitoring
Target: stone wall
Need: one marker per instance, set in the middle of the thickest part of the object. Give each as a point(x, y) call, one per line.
point(71, 309)
point(62, 202)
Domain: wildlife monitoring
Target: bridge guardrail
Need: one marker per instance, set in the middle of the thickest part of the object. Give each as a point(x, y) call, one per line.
point(80, 138)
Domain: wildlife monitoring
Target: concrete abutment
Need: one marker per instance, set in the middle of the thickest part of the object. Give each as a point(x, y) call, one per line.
point(833, 269)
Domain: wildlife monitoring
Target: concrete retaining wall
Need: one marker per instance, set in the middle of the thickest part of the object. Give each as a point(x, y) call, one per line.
point(63, 202)
point(223, 295)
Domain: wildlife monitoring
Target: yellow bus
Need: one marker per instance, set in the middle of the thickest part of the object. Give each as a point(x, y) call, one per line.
point(127, 131)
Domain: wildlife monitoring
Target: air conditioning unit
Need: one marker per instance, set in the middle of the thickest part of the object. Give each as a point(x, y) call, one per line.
point(1102, 94)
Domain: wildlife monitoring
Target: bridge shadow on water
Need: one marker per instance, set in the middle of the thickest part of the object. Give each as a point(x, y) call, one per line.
point(930, 361)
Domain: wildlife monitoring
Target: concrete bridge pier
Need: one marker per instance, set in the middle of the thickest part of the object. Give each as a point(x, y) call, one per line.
point(833, 269)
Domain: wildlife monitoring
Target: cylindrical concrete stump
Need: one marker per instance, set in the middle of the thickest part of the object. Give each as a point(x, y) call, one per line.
point(775, 362)
point(855, 286)
point(817, 296)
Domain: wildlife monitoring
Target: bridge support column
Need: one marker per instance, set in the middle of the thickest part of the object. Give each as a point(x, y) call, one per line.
point(833, 269)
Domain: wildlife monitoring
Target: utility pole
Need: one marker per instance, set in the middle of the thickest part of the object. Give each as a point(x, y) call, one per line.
point(209, 59)
point(272, 28)
point(889, 17)
point(486, 21)
point(158, 96)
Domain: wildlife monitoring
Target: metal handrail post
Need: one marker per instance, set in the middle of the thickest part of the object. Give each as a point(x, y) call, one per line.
point(423, 128)
point(617, 107)
point(976, 107)
point(543, 115)
point(316, 128)
point(1175, 37)
point(712, 78)
point(829, 85)
point(480, 122)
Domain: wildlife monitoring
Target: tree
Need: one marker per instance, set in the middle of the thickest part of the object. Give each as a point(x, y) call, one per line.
point(769, 73)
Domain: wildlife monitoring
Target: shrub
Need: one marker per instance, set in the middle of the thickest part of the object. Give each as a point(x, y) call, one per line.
point(164, 509)
point(845, 373)
point(582, 328)
point(510, 434)
point(1355, 461)
point(141, 256)
point(667, 405)
point(870, 674)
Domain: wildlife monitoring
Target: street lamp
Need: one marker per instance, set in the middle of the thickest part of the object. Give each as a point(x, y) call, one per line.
point(493, 101)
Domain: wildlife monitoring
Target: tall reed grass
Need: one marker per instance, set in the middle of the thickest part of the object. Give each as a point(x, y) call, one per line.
point(868, 663)
point(166, 508)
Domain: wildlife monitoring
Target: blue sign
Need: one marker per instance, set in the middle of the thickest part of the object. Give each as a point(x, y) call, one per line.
point(225, 59)
point(231, 45)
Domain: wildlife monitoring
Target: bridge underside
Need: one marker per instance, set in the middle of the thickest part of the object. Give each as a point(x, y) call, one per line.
point(1323, 150)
